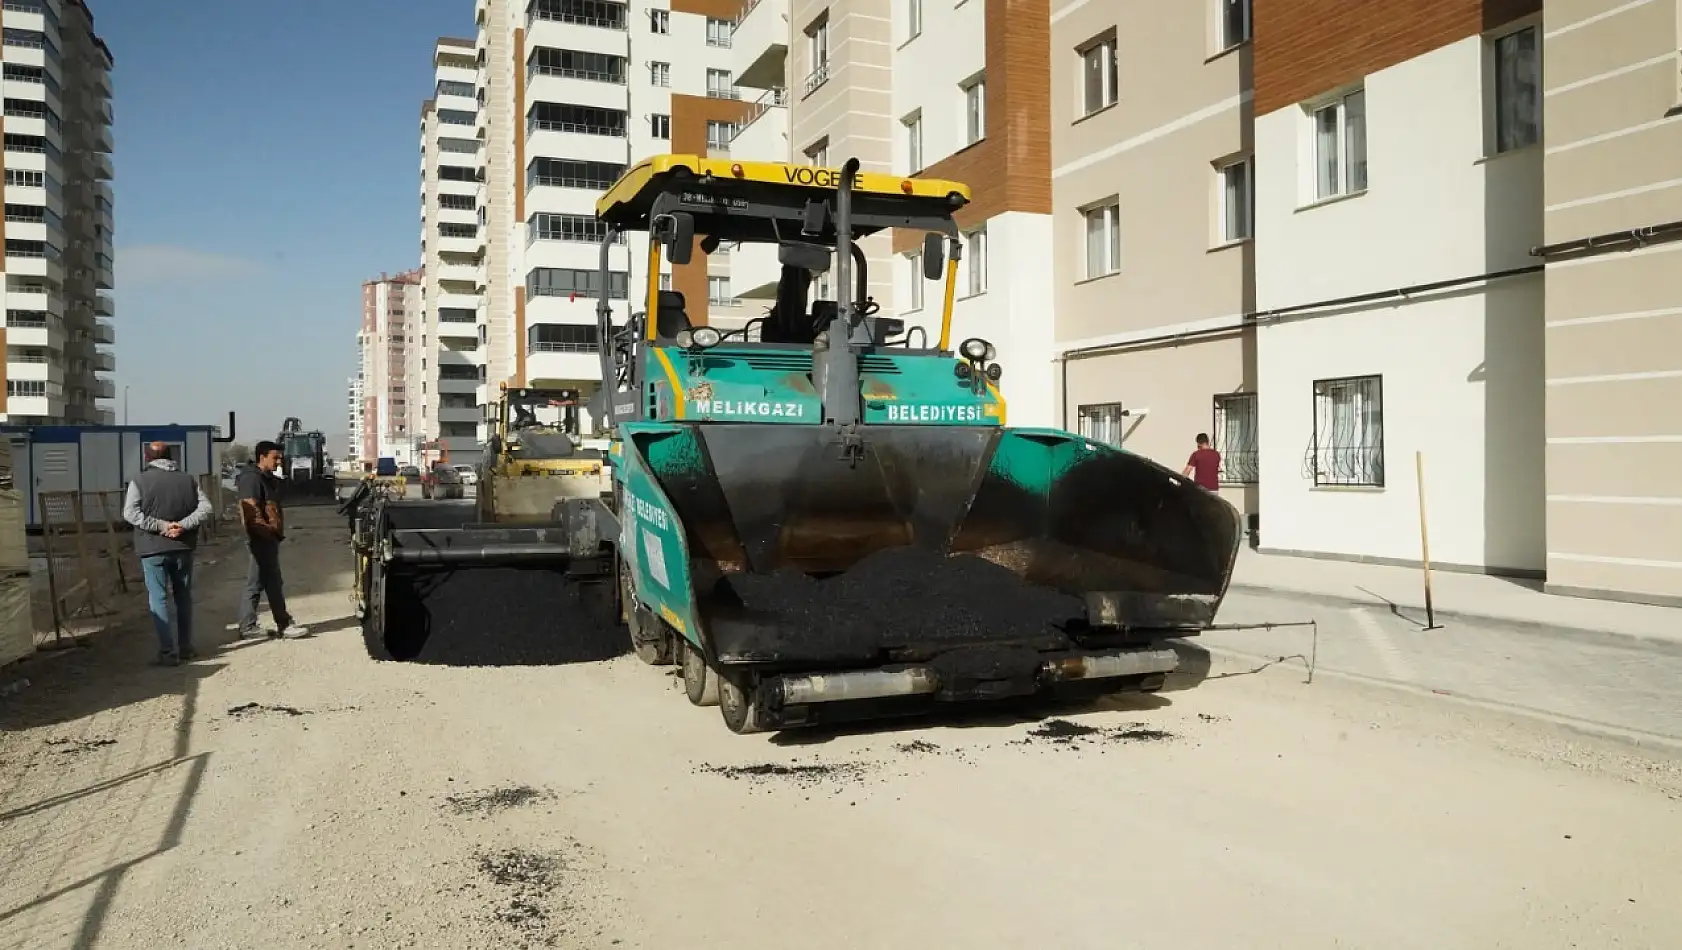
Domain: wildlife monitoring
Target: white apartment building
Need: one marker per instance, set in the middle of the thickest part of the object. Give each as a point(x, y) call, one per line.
point(574, 92)
point(353, 414)
point(58, 215)
point(392, 314)
point(446, 366)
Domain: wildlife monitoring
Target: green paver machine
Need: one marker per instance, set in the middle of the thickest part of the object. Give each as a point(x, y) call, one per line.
point(820, 436)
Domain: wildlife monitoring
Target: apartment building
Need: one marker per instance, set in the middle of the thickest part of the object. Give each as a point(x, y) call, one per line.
point(1612, 340)
point(57, 223)
point(353, 413)
point(392, 314)
point(447, 364)
point(1152, 259)
point(573, 93)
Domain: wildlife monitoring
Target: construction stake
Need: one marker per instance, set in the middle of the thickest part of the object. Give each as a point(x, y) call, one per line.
point(1425, 543)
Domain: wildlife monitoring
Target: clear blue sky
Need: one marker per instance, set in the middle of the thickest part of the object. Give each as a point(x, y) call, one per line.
point(267, 163)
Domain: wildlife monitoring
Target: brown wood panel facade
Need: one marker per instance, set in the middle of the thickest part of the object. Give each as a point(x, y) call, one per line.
point(1009, 169)
point(1304, 48)
point(717, 9)
point(690, 115)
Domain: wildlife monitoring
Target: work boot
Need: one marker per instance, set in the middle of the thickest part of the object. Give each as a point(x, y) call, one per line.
point(293, 632)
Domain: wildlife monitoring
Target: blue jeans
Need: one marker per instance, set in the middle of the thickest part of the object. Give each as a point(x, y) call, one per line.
point(170, 571)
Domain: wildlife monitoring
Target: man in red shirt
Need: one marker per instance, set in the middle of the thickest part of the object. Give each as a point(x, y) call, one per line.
point(1204, 465)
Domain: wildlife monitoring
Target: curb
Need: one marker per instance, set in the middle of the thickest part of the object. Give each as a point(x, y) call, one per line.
point(1533, 626)
point(1647, 741)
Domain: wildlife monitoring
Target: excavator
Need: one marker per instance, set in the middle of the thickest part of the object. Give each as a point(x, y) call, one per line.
point(306, 469)
point(824, 516)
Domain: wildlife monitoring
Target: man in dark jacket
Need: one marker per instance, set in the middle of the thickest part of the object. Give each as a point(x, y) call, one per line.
point(166, 507)
point(265, 527)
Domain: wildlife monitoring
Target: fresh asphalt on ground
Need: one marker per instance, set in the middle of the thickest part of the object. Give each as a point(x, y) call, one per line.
point(300, 794)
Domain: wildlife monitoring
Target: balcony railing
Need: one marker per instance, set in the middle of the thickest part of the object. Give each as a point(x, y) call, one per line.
point(768, 100)
point(562, 347)
point(601, 14)
point(817, 77)
point(747, 8)
point(616, 77)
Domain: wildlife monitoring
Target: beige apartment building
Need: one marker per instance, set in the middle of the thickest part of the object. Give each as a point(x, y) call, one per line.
point(1154, 266)
point(1613, 225)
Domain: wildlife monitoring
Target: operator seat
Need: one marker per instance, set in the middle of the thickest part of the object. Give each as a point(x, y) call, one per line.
point(670, 316)
point(787, 322)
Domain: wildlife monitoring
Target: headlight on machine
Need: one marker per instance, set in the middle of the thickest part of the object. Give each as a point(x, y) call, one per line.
point(976, 350)
point(706, 337)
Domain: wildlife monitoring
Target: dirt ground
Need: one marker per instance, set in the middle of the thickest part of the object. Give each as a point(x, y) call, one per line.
point(299, 794)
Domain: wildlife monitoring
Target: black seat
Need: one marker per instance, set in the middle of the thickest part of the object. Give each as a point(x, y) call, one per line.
point(670, 315)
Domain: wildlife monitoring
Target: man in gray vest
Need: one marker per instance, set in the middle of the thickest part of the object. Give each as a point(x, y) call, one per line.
point(166, 507)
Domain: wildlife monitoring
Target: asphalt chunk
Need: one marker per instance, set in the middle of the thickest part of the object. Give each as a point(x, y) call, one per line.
point(917, 747)
point(528, 880)
point(496, 799)
point(1062, 730)
point(247, 710)
point(808, 776)
point(1067, 735)
point(78, 746)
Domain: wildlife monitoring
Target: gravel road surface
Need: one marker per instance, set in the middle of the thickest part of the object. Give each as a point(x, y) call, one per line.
point(299, 794)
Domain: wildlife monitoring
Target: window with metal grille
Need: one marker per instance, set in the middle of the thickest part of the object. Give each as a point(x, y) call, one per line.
point(1235, 438)
point(566, 281)
point(1348, 446)
point(576, 64)
point(547, 226)
point(584, 120)
point(1101, 422)
point(569, 173)
point(458, 202)
point(601, 14)
point(561, 338)
point(446, 229)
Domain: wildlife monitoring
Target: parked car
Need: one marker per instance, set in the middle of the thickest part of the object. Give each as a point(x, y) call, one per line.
point(469, 474)
point(442, 482)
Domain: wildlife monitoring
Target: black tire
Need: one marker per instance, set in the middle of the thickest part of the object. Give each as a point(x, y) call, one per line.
point(700, 683)
point(738, 703)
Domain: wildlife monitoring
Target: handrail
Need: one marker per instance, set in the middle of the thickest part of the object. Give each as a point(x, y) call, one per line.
point(768, 100)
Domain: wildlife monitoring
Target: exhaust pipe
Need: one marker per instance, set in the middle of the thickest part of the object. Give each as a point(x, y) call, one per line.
point(923, 680)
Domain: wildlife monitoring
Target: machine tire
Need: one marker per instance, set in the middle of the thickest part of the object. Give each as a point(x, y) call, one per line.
point(700, 683)
point(738, 703)
point(650, 639)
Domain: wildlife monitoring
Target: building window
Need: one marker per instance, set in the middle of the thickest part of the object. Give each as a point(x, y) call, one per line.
point(1237, 201)
point(975, 258)
point(659, 21)
point(1235, 22)
point(818, 153)
point(1348, 444)
point(572, 173)
point(660, 74)
point(913, 19)
point(1098, 76)
point(718, 33)
point(915, 262)
point(660, 126)
point(719, 134)
point(1103, 239)
point(817, 52)
point(576, 64)
point(913, 142)
point(1340, 146)
point(570, 281)
point(581, 228)
point(975, 110)
point(1518, 90)
point(1235, 438)
point(665, 282)
point(720, 85)
point(718, 292)
point(1101, 423)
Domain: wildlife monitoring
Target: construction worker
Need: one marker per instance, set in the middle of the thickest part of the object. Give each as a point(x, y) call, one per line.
point(265, 529)
point(166, 506)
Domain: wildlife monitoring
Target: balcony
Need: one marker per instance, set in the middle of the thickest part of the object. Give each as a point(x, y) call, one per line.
point(759, 44)
point(763, 134)
point(561, 366)
point(104, 389)
point(36, 405)
point(105, 362)
point(458, 330)
point(547, 20)
point(583, 133)
point(451, 380)
point(460, 414)
point(461, 273)
point(104, 305)
point(104, 333)
point(456, 245)
point(34, 366)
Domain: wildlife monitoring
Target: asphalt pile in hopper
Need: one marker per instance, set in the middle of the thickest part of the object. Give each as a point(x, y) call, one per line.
point(907, 596)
